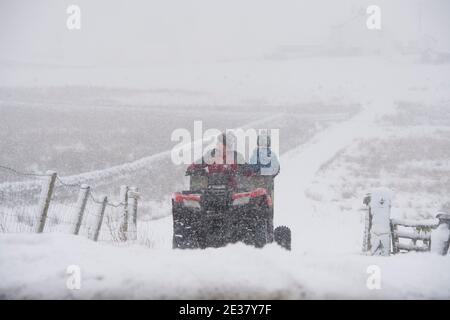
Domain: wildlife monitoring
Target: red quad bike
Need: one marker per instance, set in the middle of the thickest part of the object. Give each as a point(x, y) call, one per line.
point(215, 212)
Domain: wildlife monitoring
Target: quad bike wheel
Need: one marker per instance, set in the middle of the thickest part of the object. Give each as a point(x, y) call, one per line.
point(282, 236)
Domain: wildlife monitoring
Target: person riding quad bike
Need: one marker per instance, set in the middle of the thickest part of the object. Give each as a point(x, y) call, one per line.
point(222, 160)
point(227, 202)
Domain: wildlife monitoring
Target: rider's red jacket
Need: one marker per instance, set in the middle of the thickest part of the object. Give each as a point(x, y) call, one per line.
point(230, 169)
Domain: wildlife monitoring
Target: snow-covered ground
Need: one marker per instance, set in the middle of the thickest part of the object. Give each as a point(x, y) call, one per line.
point(325, 261)
point(34, 266)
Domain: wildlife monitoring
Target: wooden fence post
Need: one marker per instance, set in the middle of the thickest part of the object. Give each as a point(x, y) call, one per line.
point(124, 224)
point(100, 214)
point(81, 206)
point(44, 200)
point(367, 227)
point(367, 224)
point(394, 238)
point(133, 195)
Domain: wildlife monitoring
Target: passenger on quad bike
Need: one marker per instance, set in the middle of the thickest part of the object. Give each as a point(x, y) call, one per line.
point(265, 160)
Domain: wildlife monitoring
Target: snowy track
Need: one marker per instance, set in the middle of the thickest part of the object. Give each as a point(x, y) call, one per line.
point(321, 231)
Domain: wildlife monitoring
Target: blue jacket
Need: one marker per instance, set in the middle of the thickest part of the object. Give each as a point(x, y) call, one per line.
point(266, 160)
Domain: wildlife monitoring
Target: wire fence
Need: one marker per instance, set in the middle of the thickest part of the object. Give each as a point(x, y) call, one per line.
point(19, 200)
point(62, 213)
point(36, 202)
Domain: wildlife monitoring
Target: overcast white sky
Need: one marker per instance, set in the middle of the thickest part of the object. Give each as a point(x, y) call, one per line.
point(128, 32)
point(142, 33)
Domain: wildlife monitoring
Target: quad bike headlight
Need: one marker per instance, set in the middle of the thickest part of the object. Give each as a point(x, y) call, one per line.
point(244, 197)
point(188, 200)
